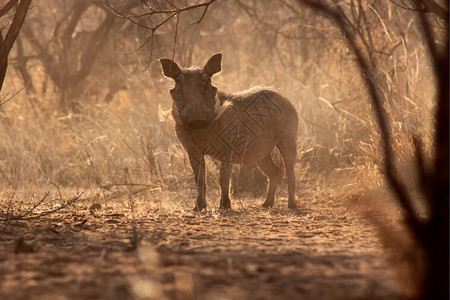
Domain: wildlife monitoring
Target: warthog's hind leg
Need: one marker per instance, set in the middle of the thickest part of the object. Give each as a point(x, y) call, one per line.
point(224, 182)
point(289, 153)
point(198, 166)
point(274, 173)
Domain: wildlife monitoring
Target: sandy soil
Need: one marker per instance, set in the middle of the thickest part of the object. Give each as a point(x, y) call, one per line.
point(321, 251)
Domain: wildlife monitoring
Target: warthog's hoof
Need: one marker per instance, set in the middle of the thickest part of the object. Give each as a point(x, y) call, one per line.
point(225, 204)
point(225, 207)
point(291, 202)
point(267, 204)
point(292, 205)
point(199, 208)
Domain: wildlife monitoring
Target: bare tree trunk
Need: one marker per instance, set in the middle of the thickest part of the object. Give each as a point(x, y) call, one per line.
point(7, 43)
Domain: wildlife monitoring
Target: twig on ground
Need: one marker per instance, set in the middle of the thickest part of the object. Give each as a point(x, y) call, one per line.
point(27, 215)
point(8, 211)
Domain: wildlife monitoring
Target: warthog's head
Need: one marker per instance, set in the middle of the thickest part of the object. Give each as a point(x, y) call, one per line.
point(195, 101)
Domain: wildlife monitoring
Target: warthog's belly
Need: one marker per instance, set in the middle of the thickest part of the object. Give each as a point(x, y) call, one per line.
point(247, 131)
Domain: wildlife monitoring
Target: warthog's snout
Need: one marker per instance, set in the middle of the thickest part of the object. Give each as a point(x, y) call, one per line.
point(238, 128)
point(196, 115)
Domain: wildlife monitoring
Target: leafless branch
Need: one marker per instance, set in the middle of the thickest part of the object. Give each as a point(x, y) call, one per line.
point(175, 36)
point(68, 203)
point(155, 12)
point(29, 213)
point(8, 211)
point(3, 101)
point(137, 154)
point(424, 6)
point(341, 111)
point(98, 180)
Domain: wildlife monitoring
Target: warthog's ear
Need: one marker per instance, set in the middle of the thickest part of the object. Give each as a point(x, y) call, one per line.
point(213, 65)
point(170, 68)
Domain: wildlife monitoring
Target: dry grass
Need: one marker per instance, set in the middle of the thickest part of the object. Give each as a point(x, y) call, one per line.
point(123, 157)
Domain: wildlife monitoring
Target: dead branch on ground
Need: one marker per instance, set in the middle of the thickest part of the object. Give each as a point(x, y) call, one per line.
point(30, 213)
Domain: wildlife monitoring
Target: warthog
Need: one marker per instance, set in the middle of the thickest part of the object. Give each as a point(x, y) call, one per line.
point(237, 128)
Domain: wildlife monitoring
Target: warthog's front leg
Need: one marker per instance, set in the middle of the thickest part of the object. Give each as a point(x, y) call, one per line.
point(224, 182)
point(198, 166)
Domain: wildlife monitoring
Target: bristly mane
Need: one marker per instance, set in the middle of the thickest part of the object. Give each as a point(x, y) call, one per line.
point(224, 96)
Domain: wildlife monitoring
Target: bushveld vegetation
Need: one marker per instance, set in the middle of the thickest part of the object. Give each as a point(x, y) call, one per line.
point(84, 93)
point(101, 139)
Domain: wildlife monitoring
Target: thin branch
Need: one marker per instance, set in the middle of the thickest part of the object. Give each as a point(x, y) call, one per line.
point(10, 98)
point(167, 15)
point(8, 211)
point(175, 37)
point(27, 215)
point(137, 154)
point(97, 177)
point(149, 39)
point(202, 16)
point(165, 11)
point(122, 15)
point(51, 211)
point(57, 187)
point(108, 186)
point(341, 111)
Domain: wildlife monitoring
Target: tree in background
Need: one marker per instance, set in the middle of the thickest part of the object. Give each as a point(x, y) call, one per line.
point(73, 37)
point(7, 41)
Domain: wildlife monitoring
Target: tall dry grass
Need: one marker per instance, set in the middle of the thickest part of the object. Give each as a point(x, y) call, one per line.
point(123, 145)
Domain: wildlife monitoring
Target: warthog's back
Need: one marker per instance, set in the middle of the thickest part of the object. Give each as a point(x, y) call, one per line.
point(255, 122)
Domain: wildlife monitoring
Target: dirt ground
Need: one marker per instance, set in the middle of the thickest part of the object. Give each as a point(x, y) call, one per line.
point(321, 251)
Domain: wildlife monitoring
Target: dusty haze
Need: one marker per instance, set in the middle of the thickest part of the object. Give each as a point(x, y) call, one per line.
point(87, 119)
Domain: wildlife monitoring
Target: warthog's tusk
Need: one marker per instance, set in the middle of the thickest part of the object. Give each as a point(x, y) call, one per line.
point(169, 115)
point(164, 115)
point(217, 104)
point(219, 110)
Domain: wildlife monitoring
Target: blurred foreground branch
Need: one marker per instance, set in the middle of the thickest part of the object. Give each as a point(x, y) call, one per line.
point(7, 42)
point(424, 6)
point(431, 233)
